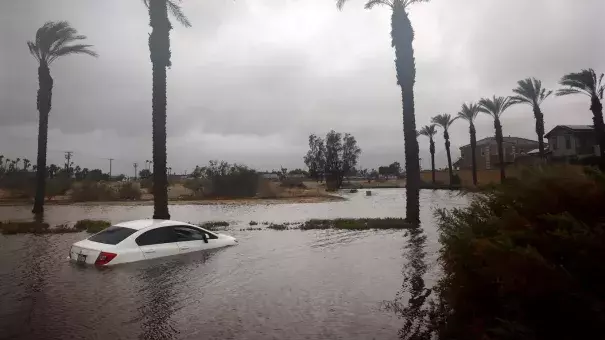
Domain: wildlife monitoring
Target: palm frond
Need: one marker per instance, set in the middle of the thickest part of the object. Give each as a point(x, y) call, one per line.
point(33, 50)
point(584, 81)
point(495, 106)
point(564, 92)
point(73, 49)
point(371, 3)
point(428, 130)
point(340, 4)
point(469, 112)
point(177, 12)
point(443, 120)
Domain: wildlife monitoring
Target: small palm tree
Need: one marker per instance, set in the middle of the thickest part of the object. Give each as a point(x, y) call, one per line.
point(402, 36)
point(53, 40)
point(430, 131)
point(159, 48)
point(495, 107)
point(445, 121)
point(530, 91)
point(469, 112)
point(26, 164)
point(587, 83)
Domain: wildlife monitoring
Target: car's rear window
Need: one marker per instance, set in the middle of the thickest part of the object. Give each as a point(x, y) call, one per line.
point(112, 235)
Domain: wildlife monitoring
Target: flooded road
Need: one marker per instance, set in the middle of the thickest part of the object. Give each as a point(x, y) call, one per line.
point(319, 284)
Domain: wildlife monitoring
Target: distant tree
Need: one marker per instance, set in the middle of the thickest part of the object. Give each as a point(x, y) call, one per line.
point(299, 172)
point(469, 112)
point(445, 121)
point(159, 49)
point(495, 107)
point(144, 174)
point(333, 167)
point(26, 164)
point(530, 91)
point(430, 131)
point(97, 175)
point(315, 159)
point(53, 40)
point(587, 83)
point(350, 156)
point(283, 173)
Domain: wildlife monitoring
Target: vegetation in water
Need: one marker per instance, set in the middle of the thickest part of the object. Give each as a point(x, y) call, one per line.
point(214, 225)
point(524, 260)
point(92, 226)
point(357, 223)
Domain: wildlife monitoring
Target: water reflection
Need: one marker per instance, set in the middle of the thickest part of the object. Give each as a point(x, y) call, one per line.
point(410, 303)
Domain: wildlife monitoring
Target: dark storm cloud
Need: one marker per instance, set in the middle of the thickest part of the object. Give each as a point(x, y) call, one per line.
point(252, 78)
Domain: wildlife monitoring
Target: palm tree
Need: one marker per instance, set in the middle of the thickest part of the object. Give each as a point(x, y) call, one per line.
point(430, 131)
point(159, 48)
point(495, 107)
point(469, 112)
point(530, 91)
point(445, 121)
point(26, 164)
point(53, 40)
point(402, 36)
point(587, 83)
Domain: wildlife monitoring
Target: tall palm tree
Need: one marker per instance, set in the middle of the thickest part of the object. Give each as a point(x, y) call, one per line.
point(430, 131)
point(402, 36)
point(495, 107)
point(53, 40)
point(445, 121)
point(469, 112)
point(159, 48)
point(587, 83)
point(26, 164)
point(530, 91)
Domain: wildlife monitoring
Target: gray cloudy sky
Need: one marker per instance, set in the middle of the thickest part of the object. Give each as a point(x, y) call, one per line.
point(252, 78)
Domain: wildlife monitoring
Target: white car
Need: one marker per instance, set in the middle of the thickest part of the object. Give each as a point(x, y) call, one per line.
point(143, 240)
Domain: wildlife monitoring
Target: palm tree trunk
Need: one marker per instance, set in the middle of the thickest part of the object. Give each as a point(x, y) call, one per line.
point(159, 47)
point(500, 141)
point(540, 131)
point(473, 156)
point(446, 135)
point(44, 103)
point(432, 149)
point(402, 35)
point(597, 111)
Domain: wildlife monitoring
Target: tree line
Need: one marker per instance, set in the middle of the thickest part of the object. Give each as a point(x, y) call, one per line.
point(528, 92)
point(332, 158)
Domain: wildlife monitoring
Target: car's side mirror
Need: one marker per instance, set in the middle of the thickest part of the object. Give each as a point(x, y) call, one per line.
point(205, 237)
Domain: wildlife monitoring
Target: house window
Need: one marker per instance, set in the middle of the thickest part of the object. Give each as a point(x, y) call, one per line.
point(568, 142)
point(482, 152)
point(554, 143)
point(461, 154)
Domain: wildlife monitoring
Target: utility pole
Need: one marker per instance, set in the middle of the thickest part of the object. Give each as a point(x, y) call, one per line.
point(68, 158)
point(136, 165)
point(110, 160)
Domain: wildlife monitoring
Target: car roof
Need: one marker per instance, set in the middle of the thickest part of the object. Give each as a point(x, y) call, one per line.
point(143, 224)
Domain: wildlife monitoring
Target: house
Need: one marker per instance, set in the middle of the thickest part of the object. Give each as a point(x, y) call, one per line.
point(572, 142)
point(486, 152)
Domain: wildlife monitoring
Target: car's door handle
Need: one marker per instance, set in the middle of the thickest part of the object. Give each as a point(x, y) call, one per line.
point(149, 251)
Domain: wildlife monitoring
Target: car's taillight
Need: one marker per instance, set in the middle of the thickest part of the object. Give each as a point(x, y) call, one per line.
point(104, 258)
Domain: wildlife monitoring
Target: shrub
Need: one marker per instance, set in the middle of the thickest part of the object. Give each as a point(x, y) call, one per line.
point(253, 223)
point(456, 181)
point(268, 189)
point(11, 228)
point(56, 187)
point(129, 191)
point(524, 260)
point(292, 182)
point(276, 226)
point(215, 225)
point(92, 226)
point(93, 191)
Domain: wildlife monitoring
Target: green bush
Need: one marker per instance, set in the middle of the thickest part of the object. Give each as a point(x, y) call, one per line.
point(129, 191)
point(525, 260)
point(93, 191)
point(92, 226)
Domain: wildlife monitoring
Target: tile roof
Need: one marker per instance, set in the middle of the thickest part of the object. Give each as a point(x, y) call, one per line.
point(511, 140)
point(575, 128)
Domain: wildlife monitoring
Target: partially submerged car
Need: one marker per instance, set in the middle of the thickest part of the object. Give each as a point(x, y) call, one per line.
point(143, 240)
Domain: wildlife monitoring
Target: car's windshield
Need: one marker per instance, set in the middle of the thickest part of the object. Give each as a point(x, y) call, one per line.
point(112, 235)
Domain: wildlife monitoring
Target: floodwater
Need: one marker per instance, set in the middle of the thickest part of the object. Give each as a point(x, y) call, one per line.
point(317, 284)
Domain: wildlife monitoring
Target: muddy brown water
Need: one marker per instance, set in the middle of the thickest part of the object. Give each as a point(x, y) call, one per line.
point(318, 284)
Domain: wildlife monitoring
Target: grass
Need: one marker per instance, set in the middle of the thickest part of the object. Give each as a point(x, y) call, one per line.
point(357, 223)
point(92, 226)
point(278, 226)
point(214, 225)
point(37, 228)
